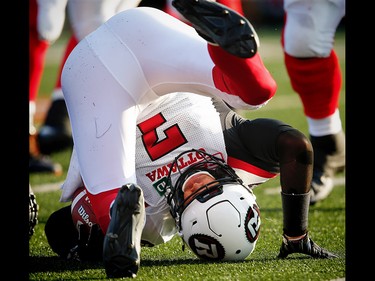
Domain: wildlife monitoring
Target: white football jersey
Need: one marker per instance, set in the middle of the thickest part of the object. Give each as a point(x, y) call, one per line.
point(174, 124)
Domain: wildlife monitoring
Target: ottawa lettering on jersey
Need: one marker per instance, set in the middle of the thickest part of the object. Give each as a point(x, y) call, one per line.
point(182, 163)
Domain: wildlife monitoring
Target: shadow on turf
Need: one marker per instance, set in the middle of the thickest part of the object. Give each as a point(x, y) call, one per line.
point(316, 207)
point(56, 264)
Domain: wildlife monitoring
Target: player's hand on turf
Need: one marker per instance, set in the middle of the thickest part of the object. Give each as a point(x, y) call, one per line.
point(90, 244)
point(304, 246)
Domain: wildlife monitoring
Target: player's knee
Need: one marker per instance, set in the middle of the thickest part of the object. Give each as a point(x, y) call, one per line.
point(309, 47)
point(293, 145)
point(307, 35)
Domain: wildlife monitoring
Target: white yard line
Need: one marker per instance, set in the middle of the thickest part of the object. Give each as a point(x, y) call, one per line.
point(46, 187)
point(276, 190)
point(56, 186)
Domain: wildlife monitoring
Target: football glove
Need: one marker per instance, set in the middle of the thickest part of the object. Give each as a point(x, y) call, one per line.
point(90, 244)
point(304, 246)
point(33, 212)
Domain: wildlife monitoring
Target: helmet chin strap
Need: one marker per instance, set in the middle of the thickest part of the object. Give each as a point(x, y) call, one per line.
point(182, 238)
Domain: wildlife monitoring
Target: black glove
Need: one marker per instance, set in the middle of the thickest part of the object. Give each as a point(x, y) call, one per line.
point(90, 244)
point(33, 212)
point(304, 246)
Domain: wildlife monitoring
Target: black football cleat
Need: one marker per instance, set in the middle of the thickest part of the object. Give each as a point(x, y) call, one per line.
point(221, 26)
point(329, 160)
point(304, 246)
point(43, 164)
point(122, 242)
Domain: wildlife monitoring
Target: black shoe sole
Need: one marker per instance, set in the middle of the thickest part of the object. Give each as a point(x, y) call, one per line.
point(121, 247)
point(220, 25)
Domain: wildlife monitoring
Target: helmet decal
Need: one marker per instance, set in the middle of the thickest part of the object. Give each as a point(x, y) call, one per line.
point(252, 223)
point(206, 247)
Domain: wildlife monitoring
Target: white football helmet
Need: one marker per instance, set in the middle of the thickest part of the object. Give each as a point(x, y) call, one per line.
point(221, 220)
